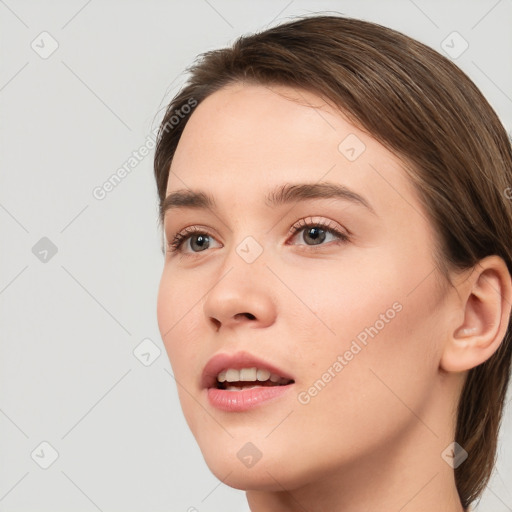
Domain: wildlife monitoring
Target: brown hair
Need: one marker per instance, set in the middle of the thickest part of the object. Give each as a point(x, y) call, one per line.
point(425, 110)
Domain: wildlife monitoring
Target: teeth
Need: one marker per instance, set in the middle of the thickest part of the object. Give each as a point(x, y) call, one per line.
point(237, 388)
point(247, 375)
point(232, 375)
point(263, 375)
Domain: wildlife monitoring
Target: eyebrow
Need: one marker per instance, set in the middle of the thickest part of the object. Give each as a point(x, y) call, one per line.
point(281, 195)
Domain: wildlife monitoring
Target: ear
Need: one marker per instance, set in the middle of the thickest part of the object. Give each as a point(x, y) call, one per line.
point(482, 316)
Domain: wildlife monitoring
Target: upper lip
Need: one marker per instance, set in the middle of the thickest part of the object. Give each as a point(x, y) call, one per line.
point(238, 360)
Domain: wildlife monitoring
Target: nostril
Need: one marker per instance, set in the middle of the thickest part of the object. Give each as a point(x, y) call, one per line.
point(248, 315)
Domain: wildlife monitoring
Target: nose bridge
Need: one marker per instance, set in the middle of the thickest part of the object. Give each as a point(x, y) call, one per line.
point(249, 249)
point(244, 263)
point(247, 239)
point(242, 292)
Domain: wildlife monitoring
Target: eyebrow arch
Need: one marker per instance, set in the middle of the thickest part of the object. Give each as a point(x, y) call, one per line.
point(281, 195)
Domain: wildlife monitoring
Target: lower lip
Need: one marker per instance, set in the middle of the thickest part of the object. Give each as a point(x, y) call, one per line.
point(238, 401)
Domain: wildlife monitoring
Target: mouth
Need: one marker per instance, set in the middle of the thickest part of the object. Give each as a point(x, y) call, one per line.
point(241, 371)
point(233, 379)
point(241, 382)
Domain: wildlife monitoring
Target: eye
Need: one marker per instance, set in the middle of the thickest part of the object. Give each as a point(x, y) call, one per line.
point(316, 231)
point(313, 231)
point(189, 233)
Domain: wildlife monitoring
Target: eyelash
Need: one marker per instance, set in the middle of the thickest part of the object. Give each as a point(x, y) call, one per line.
point(176, 244)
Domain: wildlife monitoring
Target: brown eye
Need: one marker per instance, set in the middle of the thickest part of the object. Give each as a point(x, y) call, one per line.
point(316, 232)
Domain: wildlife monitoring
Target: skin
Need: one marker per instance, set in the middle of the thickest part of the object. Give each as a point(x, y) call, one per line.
point(373, 437)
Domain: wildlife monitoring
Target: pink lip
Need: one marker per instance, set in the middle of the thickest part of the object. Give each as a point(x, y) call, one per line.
point(238, 401)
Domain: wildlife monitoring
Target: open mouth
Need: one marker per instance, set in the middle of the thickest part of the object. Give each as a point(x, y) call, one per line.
point(240, 382)
point(242, 371)
point(247, 378)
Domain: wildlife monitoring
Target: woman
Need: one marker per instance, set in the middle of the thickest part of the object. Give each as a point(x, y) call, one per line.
point(336, 295)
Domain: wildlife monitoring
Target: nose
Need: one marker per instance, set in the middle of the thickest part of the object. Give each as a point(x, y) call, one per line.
point(242, 297)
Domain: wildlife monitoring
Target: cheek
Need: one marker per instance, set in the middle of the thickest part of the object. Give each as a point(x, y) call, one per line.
point(176, 322)
point(334, 301)
point(368, 403)
point(372, 314)
point(388, 339)
point(175, 315)
point(166, 307)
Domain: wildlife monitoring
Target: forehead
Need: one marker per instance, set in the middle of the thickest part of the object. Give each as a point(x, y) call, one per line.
point(243, 141)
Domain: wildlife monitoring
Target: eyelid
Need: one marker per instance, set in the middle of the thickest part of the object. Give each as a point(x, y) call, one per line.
point(327, 224)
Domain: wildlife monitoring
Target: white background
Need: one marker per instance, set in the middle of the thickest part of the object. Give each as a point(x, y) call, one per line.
point(69, 325)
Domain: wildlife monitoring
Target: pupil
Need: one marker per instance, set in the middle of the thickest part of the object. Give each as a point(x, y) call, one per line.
point(316, 238)
point(200, 237)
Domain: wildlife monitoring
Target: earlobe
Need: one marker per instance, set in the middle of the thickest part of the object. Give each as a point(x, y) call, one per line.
point(485, 303)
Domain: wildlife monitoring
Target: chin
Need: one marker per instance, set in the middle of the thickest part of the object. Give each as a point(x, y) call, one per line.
point(237, 476)
point(268, 473)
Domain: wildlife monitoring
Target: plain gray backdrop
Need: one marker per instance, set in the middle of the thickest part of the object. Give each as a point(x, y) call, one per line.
point(89, 414)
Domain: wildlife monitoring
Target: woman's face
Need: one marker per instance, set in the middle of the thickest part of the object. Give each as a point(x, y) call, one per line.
point(357, 323)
